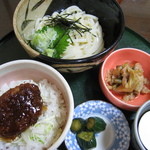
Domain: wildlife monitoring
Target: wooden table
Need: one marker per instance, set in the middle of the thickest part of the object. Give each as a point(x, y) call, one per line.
point(136, 12)
point(137, 16)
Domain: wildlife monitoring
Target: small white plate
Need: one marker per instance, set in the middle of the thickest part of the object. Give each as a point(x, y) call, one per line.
point(116, 136)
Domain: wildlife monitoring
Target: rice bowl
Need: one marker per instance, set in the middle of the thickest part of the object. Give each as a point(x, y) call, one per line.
point(52, 124)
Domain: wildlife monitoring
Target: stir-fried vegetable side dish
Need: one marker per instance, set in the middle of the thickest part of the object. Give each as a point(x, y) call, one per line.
point(85, 131)
point(128, 80)
point(70, 34)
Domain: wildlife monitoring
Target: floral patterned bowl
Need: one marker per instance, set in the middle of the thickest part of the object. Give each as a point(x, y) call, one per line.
point(117, 127)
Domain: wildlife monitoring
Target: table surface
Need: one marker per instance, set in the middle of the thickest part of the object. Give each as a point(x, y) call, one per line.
point(139, 21)
point(136, 12)
point(137, 16)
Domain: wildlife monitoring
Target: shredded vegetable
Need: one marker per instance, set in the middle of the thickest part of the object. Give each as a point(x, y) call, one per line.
point(128, 80)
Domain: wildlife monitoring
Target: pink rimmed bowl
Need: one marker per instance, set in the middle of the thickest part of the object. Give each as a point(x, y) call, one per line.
point(120, 57)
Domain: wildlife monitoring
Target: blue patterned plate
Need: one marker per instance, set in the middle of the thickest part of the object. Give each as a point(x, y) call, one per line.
point(116, 136)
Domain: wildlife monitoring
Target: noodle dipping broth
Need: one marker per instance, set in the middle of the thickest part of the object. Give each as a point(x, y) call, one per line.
point(70, 34)
point(140, 128)
point(144, 129)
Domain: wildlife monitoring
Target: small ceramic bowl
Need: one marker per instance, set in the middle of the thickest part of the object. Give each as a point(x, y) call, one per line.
point(120, 57)
point(138, 139)
point(110, 18)
point(36, 71)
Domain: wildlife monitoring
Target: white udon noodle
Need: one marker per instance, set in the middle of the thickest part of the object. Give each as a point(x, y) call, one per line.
point(89, 43)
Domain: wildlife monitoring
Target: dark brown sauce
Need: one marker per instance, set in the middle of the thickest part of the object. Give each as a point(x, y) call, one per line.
point(20, 108)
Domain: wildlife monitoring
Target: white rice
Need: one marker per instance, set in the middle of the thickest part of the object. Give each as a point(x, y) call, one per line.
point(49, 125)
